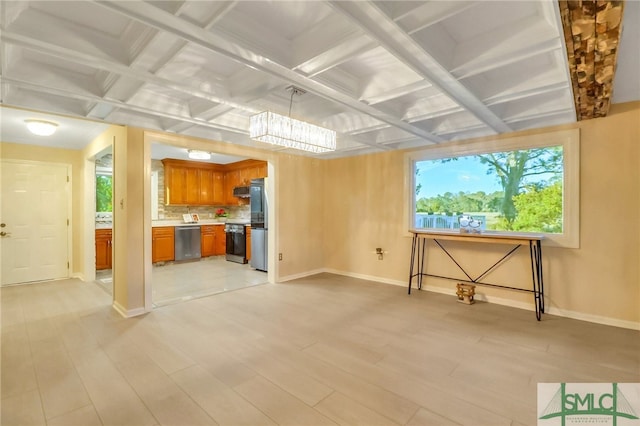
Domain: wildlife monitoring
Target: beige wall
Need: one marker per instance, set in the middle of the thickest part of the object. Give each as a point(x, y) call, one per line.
point(363, 209)
point(299, 225)
point(16, 151)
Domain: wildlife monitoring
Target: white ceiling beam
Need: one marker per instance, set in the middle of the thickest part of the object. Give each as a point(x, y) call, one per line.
point(396, 93)
point(438, 12)
point(114, 67)
point(172, 51)
point(545, 114)
point(120, 105)
point(514, 96)
point(481, 65)
point(383, 29)
point(336, 55)
point(149, 15)
point(433, 114)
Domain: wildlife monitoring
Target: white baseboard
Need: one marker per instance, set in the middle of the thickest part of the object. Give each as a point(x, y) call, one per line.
point(366, 277)
point(78, 275)
point(598, 319)
point(128, 313)
point(300, 275)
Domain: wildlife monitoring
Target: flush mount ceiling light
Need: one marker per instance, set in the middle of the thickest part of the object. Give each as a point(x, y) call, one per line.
point(41, 127)
point(194, 154)
point(284, 131)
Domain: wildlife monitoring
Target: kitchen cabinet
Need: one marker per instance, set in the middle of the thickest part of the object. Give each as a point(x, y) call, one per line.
point(104, 244)
point(221, 241)
point(212, 240)
point(162, 244)
point(240, 174)
point(218, 195)
point(192, 186)
point(232, 179)
point(248, 245)
point(193, 183)
point(175, 185)
point(207, 240)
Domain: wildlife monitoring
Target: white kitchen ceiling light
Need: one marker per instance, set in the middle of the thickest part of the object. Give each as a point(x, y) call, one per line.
point(288, 132)
point(41, 127)
point(194, 154)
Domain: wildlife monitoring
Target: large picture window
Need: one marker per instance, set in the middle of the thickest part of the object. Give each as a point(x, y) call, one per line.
point(527, 184)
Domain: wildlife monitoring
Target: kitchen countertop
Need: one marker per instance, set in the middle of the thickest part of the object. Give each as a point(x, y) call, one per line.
point(157, 223)
point(201, 222)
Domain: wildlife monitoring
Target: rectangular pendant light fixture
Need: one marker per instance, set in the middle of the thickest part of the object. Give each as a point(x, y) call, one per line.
point(288, 132)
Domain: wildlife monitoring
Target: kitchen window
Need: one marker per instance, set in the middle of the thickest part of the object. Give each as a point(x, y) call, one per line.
point(524, 184)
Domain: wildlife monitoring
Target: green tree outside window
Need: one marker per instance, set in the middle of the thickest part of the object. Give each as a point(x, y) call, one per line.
point(104, 193)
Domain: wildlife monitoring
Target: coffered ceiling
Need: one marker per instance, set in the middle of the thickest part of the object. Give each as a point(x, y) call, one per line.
point(384, 74)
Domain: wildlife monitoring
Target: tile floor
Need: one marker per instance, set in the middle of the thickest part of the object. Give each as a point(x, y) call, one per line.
point(177, 282)
point(320, 350)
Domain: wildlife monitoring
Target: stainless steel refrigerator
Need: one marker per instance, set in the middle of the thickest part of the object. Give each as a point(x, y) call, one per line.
point(259, 225)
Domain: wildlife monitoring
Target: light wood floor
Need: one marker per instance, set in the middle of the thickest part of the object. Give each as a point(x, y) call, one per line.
point(179, 281)
point(320, 350)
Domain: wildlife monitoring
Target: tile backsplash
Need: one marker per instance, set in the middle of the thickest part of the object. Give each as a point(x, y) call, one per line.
point(205, 212)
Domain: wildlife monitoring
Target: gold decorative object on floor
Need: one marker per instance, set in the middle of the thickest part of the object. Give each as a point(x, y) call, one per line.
point(465, 293)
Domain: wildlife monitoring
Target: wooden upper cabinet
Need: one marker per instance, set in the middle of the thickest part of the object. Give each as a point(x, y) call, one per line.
point(175, 184)
point(231, 180)
point(217, 181)
point(240, 174)
point(192, 187)
point(206, 187)
point(193, 183)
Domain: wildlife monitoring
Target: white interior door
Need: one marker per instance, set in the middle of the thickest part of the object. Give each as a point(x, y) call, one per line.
point(34, 211)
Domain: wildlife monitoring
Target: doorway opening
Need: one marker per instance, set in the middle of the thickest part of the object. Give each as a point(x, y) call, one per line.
point(190, 197)
point(104, 219)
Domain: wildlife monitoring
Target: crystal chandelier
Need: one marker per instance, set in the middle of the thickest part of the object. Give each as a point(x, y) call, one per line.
point(288, 132)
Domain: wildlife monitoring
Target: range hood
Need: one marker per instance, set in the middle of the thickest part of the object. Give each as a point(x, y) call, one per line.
point(242, 191)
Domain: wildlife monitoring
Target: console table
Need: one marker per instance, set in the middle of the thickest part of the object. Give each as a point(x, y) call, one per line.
point(517, 240)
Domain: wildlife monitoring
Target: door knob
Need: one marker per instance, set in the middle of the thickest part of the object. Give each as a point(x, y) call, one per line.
point(4, 234)
point(2, 225)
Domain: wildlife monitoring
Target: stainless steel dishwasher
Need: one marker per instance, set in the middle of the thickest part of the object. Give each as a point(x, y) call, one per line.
point(187, 242)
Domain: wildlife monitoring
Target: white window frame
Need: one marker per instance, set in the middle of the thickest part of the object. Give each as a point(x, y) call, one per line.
point(568, 139)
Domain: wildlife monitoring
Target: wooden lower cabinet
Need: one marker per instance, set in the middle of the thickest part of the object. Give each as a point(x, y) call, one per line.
point(162, 244)
point(212, 240)
point(221, 240)
point(207, 240)
point(248, 240)
point(104, 244)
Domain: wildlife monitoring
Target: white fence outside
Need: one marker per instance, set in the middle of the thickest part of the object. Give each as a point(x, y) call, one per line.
point(441, 221)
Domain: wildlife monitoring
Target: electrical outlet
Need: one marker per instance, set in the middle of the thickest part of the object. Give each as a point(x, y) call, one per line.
point(279, 256)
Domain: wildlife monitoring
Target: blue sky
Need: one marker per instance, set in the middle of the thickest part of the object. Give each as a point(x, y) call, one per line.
point(466, 174)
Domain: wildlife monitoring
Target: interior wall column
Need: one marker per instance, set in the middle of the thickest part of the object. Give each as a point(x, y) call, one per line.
point(128, 223)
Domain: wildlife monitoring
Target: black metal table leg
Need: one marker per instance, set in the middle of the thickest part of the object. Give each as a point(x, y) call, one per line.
point(540, 277)
point(536, 268)
point(413, 258)
point(421, 254)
